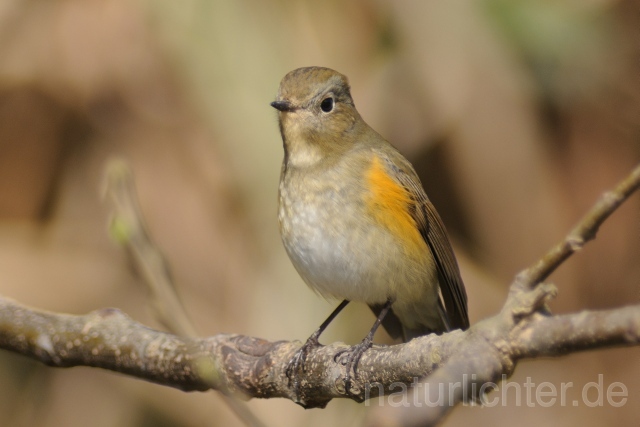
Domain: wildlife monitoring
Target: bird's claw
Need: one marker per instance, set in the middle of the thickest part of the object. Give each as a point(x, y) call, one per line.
point(296, 364)
point(351, 358)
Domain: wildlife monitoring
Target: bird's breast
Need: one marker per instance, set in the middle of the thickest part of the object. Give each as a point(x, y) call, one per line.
point(348, 235)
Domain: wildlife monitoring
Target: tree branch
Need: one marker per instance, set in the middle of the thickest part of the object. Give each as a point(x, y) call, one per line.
point(251, 367)
point(557, 335)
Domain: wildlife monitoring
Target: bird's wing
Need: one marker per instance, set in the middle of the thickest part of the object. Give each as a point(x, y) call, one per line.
point(433, 232)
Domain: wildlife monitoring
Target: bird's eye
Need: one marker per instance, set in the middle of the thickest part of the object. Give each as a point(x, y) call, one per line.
point(327, 105)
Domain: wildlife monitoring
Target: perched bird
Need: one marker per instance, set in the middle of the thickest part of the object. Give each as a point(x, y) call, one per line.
point(355, 220)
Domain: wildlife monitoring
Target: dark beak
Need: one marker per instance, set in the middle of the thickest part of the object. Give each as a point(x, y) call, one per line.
point(282, 106)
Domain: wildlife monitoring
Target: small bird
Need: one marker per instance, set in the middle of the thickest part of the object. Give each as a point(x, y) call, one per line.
point(355, 220)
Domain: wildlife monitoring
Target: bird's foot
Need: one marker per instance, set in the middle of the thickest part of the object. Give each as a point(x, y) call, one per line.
point(350, 358)
point(296, 365)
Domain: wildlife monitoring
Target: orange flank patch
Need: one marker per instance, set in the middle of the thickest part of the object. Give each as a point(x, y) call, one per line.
point(389, 204)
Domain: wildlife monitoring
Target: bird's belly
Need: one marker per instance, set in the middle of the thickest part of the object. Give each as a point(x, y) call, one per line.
point(343, 254)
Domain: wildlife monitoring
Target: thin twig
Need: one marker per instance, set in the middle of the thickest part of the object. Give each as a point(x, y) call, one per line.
point(583, 232)
point(129, 226)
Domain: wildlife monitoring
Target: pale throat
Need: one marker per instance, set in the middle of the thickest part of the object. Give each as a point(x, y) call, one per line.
point(303, 154)
point(302, 151)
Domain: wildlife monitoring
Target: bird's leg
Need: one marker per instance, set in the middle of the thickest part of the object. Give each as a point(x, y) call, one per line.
point(354, 353)
point(297, 361)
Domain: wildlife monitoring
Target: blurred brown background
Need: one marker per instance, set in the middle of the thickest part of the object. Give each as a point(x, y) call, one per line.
point(517, 115)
